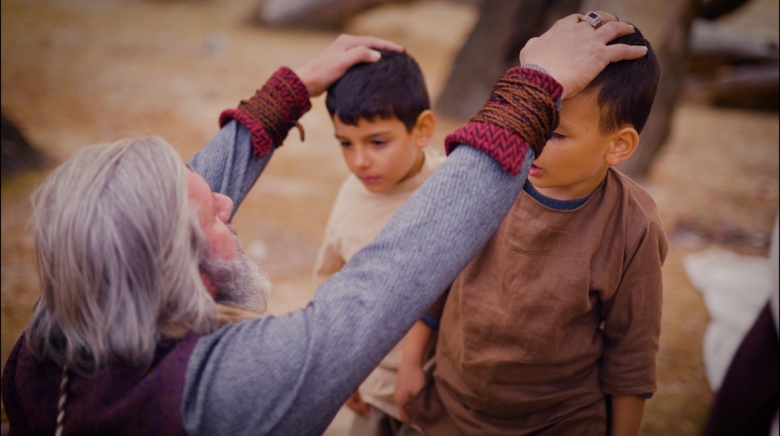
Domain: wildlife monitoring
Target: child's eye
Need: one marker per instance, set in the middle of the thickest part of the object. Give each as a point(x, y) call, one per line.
point(345, 144)
point(556, 135)
point(377, 143)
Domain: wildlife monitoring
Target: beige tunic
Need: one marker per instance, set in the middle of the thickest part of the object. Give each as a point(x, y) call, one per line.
point(356, 218)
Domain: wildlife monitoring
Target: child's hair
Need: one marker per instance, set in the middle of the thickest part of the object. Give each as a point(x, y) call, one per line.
point(392, 87)
point(626, 89)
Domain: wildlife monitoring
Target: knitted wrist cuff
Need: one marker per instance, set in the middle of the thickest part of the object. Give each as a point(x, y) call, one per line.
point(542, 70)
point(272, 111)
point(520, 113)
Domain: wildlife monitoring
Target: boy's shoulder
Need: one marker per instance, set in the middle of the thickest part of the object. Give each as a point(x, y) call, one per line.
point(353, 193)
point(640, 208)
point(635, 192)
point(351, 190)
point(433, 159)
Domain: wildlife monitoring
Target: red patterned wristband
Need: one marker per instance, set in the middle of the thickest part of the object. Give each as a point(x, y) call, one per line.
point(520, 113)
point(272, 111)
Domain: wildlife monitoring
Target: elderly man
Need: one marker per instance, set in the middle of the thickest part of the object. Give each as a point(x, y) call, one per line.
point(133, 248)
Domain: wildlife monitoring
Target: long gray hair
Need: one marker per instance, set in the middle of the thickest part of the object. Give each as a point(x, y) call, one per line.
point(117, 248)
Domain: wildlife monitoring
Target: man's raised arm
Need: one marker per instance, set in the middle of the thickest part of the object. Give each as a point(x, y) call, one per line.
point(236, 156)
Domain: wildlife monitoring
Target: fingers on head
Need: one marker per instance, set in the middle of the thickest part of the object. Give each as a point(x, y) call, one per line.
point(351, 41)
point(618, 52)
point(362, 53)
point(345, 39)
point(606, 16)
point(383, 44)
point(614, 29)
point(603, 19)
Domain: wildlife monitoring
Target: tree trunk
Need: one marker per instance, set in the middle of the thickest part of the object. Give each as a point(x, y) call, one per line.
point(324, 14)
point(493, 46)
point(17, 152)
point(747, 87)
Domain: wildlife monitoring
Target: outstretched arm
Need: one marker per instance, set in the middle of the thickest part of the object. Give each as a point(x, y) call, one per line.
point(290, 375)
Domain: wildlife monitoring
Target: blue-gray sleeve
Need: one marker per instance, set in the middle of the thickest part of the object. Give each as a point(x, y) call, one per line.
point(228, 164)
point(289, 375)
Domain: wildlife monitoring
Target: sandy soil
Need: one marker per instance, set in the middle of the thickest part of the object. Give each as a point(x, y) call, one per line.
point(77, 72)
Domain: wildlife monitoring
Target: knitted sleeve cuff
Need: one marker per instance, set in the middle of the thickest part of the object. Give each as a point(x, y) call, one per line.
point(521, 112)
point(272, 111)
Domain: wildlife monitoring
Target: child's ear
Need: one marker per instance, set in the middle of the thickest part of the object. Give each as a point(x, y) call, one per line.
point(424, 128)
point(625, 142)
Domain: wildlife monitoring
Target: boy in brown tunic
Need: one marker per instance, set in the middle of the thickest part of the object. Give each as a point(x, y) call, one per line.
point(553, 327)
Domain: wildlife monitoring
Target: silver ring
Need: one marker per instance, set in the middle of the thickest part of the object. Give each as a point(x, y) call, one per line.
point(593, 19)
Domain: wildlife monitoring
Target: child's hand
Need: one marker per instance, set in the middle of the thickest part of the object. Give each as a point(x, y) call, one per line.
point(409, 381)
point(356, 404)
point(347, 50)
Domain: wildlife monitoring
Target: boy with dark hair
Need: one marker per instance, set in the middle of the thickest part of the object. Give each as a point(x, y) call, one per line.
point(382, 119)
point(553, 327)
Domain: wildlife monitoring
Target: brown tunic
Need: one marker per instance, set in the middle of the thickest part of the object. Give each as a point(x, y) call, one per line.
point(559, 309)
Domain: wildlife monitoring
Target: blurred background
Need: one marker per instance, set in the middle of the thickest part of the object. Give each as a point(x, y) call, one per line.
point(79, 72)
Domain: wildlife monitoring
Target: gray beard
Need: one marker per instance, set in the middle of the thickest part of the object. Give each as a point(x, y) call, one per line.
point(240, 282)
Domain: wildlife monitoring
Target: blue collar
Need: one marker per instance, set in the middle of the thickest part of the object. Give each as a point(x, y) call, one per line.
point(551, 202)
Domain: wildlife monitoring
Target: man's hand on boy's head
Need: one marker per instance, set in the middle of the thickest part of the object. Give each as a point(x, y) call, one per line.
point(574, 52)
point(347, 50)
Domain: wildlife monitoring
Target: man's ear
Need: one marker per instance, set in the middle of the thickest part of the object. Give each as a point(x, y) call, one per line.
point(624, 144)
point(424, 128)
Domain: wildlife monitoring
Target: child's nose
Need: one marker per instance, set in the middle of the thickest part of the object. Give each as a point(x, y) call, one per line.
point(361, 159)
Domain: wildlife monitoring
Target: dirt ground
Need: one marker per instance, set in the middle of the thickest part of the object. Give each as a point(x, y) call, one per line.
point(78, 72)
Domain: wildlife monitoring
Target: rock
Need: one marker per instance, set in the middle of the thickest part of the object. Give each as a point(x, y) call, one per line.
point(328, 14)
point(712, 46)
point(747, 86)
point(734, 70)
